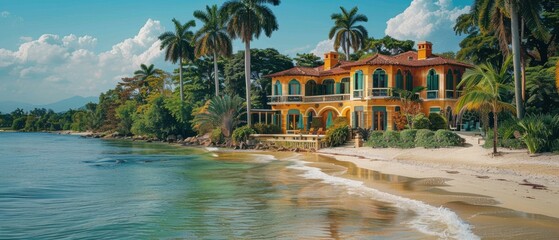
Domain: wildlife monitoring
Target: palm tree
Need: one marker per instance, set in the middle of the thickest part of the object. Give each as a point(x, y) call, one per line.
point(212, 38)
point(220, 112)
point(179, 46)
point(345, 31)
point(247, 20)
point(484, 87)
point(492, 16)
point(144, 71)
point(142, 76)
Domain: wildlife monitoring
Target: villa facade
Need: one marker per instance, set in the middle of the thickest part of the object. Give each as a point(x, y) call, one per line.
point(360, 90)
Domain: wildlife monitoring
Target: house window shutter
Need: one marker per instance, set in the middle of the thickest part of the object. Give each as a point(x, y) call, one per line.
point(362, 119)
point(338, 88)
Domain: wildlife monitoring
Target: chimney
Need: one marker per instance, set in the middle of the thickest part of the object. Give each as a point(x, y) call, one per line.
point(424, 50)
point(330, 60)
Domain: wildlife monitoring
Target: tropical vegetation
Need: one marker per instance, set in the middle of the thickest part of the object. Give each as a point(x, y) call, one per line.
point(346, 33)
point(247, 20)
point(484, 88)
point(194, 99)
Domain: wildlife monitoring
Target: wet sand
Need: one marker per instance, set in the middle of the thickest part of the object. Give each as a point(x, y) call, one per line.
point(513, 196)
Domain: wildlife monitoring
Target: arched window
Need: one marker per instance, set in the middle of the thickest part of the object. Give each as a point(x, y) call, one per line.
point(328, 86)
point(310, 88)
point(344, 86)
point(399, 80)
point(432, 84)
point(449, 84)
point(409, 81)
point(294, 87)
point(380, 79)
point(277, 88)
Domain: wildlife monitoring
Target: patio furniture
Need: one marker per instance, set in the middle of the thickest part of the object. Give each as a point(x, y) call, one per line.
point(452, 128)
point(320, 131)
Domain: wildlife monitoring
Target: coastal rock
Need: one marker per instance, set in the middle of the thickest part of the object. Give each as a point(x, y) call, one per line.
point(171, 138)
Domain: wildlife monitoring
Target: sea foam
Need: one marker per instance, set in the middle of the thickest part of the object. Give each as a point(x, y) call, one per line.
point(435, 221)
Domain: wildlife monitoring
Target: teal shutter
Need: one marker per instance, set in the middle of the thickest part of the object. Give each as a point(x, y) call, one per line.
point(338, 88)
point(362, 117)
point(429, 82)
point(436, 82)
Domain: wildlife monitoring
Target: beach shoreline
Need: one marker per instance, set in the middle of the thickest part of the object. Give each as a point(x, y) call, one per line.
point(514, 180)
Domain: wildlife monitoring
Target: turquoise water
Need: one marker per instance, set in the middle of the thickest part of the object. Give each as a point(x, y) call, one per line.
point(67, 187)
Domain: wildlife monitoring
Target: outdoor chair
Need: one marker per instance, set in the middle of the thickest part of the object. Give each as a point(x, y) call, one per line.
point(452, 128)
point(320, 131)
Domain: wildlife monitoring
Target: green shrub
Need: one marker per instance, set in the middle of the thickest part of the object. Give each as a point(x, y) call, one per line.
point(376, 140)
point(407, 138)
point(540, 133)
point(337, 135)
point(241, 134)
point(391, 138)
point(364, 133)
point(420, 122)
point(262, 128)
point(507, 128)
point(511, 143)
point(437, 121)
point(216, 136)
point(425, 138)
point(445, 138)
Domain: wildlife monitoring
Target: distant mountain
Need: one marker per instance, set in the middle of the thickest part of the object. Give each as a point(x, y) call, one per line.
point(60, 106)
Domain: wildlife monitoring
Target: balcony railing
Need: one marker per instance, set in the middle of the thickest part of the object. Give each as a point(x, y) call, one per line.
point(326, 98)
point(449, 93)
point(380, 92)
point(458, 94)
point(432, 94)
point(308, 99)
point(286, 98)
point(358, 93)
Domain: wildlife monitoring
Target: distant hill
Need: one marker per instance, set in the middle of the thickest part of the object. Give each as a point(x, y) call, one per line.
point(60, 106)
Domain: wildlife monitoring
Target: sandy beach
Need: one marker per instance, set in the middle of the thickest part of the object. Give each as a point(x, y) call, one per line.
point(513, 180)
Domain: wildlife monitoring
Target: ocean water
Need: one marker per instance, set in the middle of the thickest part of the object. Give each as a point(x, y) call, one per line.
point(67, 187)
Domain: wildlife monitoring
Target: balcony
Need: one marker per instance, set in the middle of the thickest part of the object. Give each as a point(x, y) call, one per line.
point(275, 99)
point(358, 93)
point(326, 98)
point(286, 98)
point(449, 93)
point(380, 92)
point(432, 94)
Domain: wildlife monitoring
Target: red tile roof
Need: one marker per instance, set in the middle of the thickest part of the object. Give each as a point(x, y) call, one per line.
point(404, 59)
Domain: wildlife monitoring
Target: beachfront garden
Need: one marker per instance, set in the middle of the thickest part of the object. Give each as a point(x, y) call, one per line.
point(512, 90)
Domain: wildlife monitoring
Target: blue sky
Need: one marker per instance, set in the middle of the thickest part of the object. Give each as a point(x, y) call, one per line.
point(51, 50)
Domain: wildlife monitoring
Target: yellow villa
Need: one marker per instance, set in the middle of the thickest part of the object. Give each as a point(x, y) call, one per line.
point(360, 90)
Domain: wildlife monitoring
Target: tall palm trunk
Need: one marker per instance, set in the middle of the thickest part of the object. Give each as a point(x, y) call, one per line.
point(494, 130)
point(247, 79)
point(180, 79)
point(216, 80)
point(516, 61)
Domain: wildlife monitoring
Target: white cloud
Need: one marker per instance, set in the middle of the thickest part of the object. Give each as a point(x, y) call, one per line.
point(323, 47)
point(430, 20)
point(54, 67)
point(5, 14)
